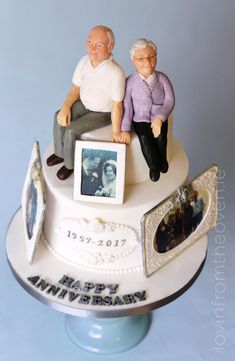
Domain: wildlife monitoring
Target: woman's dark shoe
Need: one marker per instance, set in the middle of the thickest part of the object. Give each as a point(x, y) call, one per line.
point(164, 166)
point(154, 175)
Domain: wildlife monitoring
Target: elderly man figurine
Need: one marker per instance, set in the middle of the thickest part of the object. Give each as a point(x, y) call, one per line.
point(148, 101)
point(94, 100)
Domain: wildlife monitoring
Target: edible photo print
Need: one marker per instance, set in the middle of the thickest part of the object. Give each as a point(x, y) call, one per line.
point(33, 202)
point(179, 221)
point(99, 172)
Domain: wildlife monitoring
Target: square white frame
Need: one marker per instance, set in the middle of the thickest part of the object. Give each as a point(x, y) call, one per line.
point(120, 149)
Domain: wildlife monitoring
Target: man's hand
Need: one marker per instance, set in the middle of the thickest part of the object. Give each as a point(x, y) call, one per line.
point(121, 137)
point(64, 117)
point(156, 127)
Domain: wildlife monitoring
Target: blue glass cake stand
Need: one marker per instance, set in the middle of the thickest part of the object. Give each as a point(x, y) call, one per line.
point(107, 335)
point(101, 329)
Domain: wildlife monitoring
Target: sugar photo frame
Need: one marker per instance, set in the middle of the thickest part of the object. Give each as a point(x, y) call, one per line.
point(179, 221)
point(33, 203)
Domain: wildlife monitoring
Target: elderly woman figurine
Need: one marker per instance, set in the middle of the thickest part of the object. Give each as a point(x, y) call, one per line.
point(148, 102)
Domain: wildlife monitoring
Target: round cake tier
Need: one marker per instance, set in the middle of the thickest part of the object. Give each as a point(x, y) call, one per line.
point(105, 237)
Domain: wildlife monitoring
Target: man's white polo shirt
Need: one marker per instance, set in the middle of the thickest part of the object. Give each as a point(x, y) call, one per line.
point(99, 85)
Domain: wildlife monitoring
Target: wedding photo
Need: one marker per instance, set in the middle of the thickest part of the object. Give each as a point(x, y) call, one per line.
point(99, 172)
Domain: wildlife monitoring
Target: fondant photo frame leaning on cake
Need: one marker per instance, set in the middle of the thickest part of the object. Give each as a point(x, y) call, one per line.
point(33, 202)
point(99, 172)
point(179, 221)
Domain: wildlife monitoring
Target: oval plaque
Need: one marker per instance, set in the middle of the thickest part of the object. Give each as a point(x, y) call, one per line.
point(98, 242)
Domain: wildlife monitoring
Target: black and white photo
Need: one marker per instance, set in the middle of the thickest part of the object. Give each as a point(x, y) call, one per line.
point(99, 172)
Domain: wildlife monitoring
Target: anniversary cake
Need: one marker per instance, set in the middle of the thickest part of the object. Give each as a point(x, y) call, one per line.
point(108, 220)
point(93, 222)
point(91, 212)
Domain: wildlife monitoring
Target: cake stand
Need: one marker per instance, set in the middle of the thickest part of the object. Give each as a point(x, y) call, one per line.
point(123, 319)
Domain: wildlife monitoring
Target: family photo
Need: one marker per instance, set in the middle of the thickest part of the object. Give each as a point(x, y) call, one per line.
point(31, 209)
point(180, 222)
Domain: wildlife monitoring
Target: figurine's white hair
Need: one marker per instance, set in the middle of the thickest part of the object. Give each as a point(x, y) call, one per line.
point(142, 44)
point(109, 33)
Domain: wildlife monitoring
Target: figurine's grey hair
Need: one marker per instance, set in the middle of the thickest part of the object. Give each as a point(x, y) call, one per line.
point(109, 33)
point(142, 44)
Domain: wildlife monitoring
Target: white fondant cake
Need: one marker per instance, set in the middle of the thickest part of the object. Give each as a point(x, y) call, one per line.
point(103, 237)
